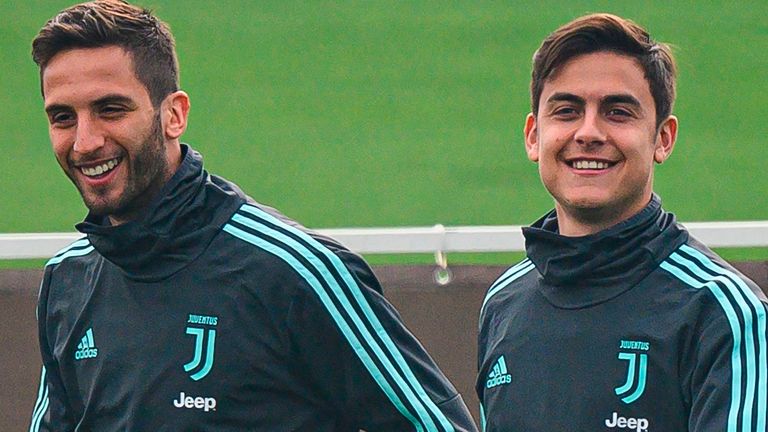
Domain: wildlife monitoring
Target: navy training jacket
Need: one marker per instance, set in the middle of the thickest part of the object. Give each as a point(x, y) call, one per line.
point(636, 328)
point(214, 313)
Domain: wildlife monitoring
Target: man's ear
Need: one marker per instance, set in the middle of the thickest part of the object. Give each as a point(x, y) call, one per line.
point(531, 138)
point(665, 139)
point(176, 110)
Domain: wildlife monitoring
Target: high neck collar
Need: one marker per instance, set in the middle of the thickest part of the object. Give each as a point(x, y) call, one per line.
point(174, 230)
point(582, 271)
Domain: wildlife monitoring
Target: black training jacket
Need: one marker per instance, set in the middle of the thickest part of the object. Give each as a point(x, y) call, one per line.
point(213, 313)
point(636, 328)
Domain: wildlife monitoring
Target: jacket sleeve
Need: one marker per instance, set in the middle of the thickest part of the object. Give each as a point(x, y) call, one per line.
point(729, 382)
point(361, 358)
point(50, 412)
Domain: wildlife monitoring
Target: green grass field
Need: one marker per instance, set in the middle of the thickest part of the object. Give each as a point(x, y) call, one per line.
point(361, 114)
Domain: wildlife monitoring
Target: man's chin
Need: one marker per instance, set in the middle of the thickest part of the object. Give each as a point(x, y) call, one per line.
point(117, 211)
point(601, 211)
point(590, 206)
point(100, 207)
point(586, 204)
point(592, 209)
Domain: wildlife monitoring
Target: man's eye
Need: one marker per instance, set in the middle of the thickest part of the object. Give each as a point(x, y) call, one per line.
point(619, 112)
point(564, 112)
point(61, 119)
point(112, 110)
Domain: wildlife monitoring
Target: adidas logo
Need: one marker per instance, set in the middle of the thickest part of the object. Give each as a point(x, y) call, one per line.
point(499, 375)
point(86, 348)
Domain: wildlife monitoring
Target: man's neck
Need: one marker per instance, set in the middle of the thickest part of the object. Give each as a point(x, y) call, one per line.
point(579, 222)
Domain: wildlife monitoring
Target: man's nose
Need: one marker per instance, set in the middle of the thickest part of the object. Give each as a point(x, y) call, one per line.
point(591, 129)
point(89, 137)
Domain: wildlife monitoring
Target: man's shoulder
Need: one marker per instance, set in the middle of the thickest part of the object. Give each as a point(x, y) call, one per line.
point(265, 232)
point(66, 271)
point(77, 252)
point(707, 289)
point(268, 228)
point(513, 280)
point(693, 266)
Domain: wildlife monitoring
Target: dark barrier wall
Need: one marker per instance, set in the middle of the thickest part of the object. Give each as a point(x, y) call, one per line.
point(444, 318)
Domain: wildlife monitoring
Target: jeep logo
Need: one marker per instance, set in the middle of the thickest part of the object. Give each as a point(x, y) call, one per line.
point(638, 424)
point(204, 403)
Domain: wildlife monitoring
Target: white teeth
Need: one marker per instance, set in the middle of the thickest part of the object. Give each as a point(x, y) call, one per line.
point(100, 169)
point(583, 164)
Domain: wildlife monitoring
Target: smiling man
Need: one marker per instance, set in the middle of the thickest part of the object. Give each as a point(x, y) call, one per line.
point(187, 305)
point(106, 133)
point(618, 319)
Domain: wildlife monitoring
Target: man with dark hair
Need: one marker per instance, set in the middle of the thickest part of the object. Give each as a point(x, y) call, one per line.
point(617, 318)
point(187, 305)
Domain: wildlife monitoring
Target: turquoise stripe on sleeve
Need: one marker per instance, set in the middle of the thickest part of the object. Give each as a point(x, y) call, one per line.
point(509, 272)
point(357, 294)
point(733, 321)
point(340, 294)
point(76, 244)
point(43, 410)
point(354, 342)
point(71, 253)
point(482, 417)
point(749, 341)
point(762, 334)
point(40, 405)
point(514, 273)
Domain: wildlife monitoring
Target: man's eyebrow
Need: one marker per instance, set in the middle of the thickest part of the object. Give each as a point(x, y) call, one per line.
point(104, 100)
point(621, 99)
point(565, 97)
point(50, 109)
point(114, 98)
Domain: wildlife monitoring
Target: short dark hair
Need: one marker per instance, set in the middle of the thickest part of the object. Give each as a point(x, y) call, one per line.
point(606, 32)
point(104, 23)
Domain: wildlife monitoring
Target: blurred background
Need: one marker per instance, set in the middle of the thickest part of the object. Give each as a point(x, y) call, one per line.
point(363, 114)
point(395, 113)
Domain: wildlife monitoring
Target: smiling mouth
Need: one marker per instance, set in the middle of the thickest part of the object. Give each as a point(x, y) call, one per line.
point(588, 164)
point(101, 169)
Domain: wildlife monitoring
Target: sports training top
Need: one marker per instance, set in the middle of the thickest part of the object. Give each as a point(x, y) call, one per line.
point(638, 327)
point(214, 313)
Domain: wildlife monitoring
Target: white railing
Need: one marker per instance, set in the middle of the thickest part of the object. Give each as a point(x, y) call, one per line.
point(436, 239)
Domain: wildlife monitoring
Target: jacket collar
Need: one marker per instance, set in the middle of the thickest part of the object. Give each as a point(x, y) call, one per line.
point(176, 228)
point(583, 271)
